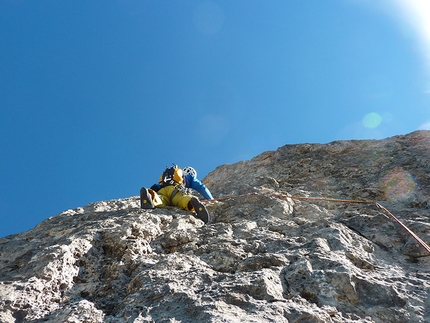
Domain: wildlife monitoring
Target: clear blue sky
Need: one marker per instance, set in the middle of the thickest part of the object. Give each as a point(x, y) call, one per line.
point(97, 97)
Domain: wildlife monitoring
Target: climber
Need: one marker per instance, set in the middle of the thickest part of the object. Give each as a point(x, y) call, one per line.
point(175, 188)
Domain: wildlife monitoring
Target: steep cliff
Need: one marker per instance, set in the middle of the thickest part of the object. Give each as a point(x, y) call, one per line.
point(270, 254)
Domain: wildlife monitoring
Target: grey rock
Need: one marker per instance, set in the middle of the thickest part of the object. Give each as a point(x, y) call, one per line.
point(269, 255)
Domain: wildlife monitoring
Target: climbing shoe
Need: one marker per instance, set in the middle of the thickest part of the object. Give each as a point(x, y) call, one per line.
point(145, 199)
point(200, 209)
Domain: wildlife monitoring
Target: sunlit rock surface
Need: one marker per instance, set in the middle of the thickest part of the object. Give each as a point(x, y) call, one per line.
point(265, 257)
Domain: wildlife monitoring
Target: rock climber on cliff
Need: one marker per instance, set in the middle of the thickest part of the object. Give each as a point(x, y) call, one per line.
point(174, 188)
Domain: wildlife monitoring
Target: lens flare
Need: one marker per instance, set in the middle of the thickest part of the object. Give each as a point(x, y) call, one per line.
point(398, 184)
point(372, 120)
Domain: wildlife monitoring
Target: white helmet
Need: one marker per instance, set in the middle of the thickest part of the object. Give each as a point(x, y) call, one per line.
point(190, 170)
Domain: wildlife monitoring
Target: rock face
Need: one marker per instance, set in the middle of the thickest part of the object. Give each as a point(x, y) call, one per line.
point(265, 258)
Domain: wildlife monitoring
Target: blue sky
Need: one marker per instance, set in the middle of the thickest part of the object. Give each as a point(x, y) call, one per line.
point(97, 97)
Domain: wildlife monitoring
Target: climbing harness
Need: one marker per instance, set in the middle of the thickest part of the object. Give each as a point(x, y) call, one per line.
point(295, 197)
point(181, 189)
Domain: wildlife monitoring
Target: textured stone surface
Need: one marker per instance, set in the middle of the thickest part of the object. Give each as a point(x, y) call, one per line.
point(263, 259)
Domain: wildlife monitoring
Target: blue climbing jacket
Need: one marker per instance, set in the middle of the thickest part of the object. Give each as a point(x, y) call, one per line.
point(191, 182)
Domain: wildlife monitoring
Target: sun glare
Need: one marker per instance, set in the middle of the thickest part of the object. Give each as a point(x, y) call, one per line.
point(416, 13)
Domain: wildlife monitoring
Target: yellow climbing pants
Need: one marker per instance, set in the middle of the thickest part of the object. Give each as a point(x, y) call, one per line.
point(164, 198)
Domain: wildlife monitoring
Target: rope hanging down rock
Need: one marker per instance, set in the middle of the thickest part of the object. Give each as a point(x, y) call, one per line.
point(295, 197)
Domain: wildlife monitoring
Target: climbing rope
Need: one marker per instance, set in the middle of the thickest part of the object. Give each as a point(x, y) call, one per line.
point(295, 197)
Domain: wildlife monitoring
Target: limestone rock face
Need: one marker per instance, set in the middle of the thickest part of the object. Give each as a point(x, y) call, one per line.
point(267, 256)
